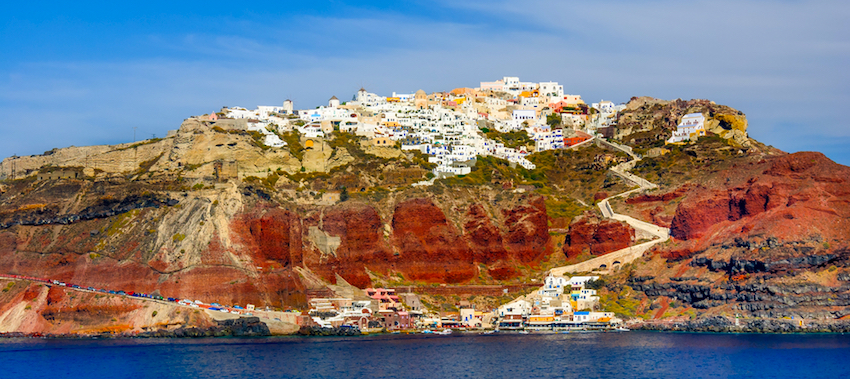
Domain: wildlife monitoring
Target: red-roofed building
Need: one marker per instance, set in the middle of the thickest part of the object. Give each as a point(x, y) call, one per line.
point(576, 138)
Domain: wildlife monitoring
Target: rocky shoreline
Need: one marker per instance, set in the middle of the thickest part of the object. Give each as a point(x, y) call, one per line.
point(320, 331)
point(241, 327)
point(765, 326)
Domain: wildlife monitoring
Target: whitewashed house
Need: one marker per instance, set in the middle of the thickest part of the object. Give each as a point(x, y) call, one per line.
point(690, 128)
point(551, 89)
point(241, 113)
point(554, 286)
point(333, 102)
point(368, 99)
point(516, 307)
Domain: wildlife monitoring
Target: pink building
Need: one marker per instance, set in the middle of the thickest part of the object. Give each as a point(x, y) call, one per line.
point(386, 298)
point(209, 117)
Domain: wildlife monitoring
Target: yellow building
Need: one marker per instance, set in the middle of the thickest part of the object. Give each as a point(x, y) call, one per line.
point(541, 318)
point(420, 99)
point(382, 141)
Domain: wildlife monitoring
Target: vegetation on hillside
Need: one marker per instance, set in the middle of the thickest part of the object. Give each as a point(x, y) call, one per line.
point(515, 139)
point(293, 141)
point(684, 162)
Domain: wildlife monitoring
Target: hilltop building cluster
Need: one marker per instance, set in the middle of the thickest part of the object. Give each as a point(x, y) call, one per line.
point(451, 127)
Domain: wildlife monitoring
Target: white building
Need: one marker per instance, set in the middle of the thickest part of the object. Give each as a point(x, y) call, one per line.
point(516, 307)
point(241, 113)
point(509, 84)
point(551, 89)
point(403, 97)
point(546, 138)
point(587, 316)
point(368, 99)
point(266, 111)
point(521, 115)
point(554, 286)
point(604, 106)
point(580, 281)
point(690, 128)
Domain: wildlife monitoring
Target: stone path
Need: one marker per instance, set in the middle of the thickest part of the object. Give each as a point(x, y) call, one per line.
point(620, 257)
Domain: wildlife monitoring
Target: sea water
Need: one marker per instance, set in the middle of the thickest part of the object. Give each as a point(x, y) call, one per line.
point(578, 355)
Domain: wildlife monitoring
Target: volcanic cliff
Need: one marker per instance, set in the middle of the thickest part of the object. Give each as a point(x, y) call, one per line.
point(211, 213)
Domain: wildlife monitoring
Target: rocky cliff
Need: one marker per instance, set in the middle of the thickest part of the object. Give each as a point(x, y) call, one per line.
point(596, 236)
point(765, 239)
point(243, 244)
point(212, 214)
point(648, 120)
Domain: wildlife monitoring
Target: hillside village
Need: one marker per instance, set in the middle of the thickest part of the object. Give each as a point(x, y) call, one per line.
point(561, 303)
point(453, 128)
point(505, 119)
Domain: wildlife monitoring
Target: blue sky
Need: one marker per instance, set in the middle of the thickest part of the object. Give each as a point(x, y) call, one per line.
point(74, 74)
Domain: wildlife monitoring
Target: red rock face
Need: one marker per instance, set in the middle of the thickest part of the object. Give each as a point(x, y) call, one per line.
point(271, 235)
point(362, 245)
point(8, 243)
point(597, 237)
point(425, 246)
point(792, 195)
point(265, 243)
point(650, 198)
point(430, 249)
point(528, 231)
point(485, 239)
point(55, 294)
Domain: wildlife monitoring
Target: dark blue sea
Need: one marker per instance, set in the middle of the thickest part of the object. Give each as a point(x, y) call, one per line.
point(578, 355)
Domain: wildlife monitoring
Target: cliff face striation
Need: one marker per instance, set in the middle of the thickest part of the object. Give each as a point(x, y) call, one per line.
point(766, 239)
point(212, 214)
point(596, 236)
point(241, 245)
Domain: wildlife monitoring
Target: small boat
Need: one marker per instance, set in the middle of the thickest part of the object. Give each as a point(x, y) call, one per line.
point(622, 329)
point(524, 332)
point(444, 332)
point(426, 331)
